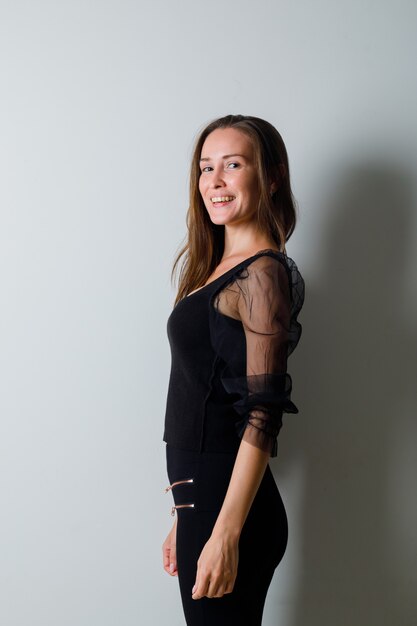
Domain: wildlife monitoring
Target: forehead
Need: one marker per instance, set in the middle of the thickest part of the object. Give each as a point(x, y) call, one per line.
point(226, 141)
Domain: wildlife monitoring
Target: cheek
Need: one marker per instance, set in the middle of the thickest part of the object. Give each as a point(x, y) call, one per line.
point(253, 186)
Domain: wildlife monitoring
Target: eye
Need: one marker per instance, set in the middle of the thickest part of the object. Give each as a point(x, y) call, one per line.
point(205, 168)
point(234, 163)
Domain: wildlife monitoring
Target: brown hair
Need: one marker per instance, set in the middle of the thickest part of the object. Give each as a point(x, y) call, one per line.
point(276, 214)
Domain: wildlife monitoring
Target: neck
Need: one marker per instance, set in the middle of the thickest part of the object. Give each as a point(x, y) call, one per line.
point(244, 239)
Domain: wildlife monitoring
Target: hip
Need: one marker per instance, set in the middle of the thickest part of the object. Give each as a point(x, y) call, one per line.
point(199, 481)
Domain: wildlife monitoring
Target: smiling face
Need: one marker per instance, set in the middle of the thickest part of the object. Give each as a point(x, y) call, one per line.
point(228, 180)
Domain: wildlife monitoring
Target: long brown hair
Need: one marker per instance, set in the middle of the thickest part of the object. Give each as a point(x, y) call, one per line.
point(276, 214)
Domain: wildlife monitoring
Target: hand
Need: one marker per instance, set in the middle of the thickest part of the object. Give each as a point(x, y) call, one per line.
point(216, 567)
point(169, 551)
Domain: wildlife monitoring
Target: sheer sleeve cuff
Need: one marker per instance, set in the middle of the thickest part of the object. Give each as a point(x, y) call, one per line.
point(263, 399)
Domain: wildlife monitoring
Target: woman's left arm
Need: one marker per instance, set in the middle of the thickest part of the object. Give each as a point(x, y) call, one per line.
point(264, 308)
point(217, 564)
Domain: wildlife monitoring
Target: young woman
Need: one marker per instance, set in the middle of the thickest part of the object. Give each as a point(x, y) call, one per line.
point(233, 325)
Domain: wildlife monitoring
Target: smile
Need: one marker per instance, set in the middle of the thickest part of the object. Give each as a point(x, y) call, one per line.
point(222, 199)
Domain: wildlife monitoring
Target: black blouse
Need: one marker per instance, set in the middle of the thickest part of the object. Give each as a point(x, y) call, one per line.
point(229, 345)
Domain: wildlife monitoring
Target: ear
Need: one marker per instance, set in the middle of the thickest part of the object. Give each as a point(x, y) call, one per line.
point(272, 188)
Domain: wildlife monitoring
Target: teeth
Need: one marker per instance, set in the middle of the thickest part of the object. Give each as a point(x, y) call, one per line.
point(222, 199)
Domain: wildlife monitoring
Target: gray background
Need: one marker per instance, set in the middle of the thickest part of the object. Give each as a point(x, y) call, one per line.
point(100, 103)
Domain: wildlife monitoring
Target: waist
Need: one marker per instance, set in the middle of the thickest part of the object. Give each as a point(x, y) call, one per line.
point(199, 478)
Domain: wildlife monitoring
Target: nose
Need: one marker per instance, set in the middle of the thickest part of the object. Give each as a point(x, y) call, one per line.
point(217, 178)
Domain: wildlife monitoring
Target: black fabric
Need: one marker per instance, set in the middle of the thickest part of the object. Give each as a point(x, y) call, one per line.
point(262, 542)
point(229, 342)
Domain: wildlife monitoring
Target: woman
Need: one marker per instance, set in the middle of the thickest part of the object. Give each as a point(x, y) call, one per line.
point(233, 325)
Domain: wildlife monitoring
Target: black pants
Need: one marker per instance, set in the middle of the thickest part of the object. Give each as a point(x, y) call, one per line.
point(262, 543)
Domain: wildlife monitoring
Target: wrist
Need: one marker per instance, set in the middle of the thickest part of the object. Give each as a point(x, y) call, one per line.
point(227, 531)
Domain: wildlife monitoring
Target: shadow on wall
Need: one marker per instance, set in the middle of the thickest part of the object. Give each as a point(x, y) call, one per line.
point(356, 564)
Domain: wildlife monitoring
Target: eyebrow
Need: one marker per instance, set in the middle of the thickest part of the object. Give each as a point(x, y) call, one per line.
point(226, 156)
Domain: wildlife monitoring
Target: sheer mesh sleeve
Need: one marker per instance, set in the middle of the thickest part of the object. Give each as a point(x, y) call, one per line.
point(265, 297)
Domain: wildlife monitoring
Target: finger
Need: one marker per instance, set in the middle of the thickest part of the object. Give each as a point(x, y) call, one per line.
point(173, 559)
point(200, 588)
point(165, 558)
point(219, 593)
point(195, 591)
point(229, 583)
point(168, 562)
point(166, 568)
point(229, 588)
point(165, 555)
point(196, 588)
point(214, 589)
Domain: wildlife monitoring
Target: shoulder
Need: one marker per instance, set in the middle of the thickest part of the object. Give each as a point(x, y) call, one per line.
point(270, 271)
point(266, 265)
point(267, 272)
point(265, 258)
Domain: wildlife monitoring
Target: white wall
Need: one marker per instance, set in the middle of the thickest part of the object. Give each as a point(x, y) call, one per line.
point(100, 103)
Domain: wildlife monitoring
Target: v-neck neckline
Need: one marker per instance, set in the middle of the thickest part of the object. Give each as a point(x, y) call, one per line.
point(231, 269)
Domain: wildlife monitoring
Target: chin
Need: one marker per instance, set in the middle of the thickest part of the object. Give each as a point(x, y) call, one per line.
point(219, 222)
